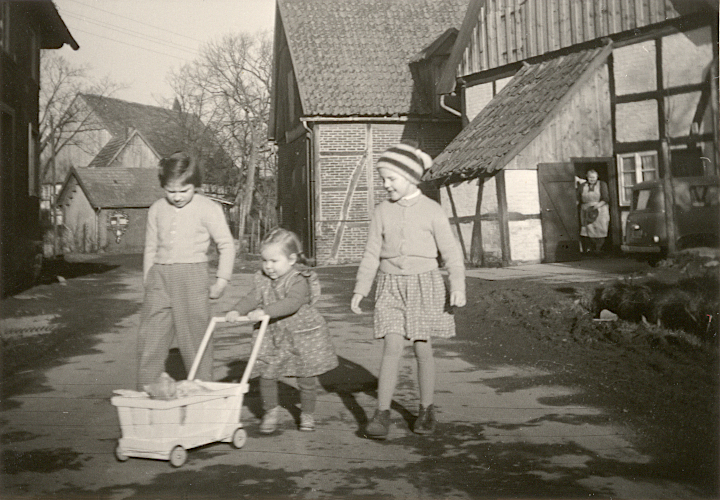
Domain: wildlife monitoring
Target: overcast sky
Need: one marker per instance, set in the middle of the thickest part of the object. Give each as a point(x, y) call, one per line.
point(137, 42)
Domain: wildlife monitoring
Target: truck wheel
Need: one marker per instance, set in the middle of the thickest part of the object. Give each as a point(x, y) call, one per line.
point(121, 457)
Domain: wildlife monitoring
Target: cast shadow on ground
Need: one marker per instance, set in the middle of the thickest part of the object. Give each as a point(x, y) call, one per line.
point(346, 380)
point(60, 267)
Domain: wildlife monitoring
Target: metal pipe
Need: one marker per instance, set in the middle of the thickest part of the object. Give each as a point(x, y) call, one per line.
point(310, 190)
point(448, 108)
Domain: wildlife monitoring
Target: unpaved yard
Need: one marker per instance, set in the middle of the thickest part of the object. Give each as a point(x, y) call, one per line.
point(663, 386)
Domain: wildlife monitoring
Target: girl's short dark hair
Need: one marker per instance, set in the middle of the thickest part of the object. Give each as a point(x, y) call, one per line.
point(180, 167)
point(288, 241)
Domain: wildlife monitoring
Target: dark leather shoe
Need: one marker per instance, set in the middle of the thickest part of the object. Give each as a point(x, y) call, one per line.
point(425, 423)
point(379, 426)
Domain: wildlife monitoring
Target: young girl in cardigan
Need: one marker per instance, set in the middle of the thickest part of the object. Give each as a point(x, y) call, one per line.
point(297, 342)
point(405, 236)
point(179, 230)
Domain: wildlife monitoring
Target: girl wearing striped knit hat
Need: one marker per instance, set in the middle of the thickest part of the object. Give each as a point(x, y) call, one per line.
point(407, 234)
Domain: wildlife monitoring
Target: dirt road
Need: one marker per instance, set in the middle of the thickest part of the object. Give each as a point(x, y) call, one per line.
point(515, 423)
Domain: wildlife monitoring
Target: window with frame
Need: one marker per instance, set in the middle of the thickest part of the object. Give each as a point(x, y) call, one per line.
point(635, 168)
point(5, 26)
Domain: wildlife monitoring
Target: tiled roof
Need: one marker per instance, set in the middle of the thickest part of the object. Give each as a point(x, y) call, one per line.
point(164, 129)
point(107, 153)
point(120, 187)
point(351, 58)
point(512, 118)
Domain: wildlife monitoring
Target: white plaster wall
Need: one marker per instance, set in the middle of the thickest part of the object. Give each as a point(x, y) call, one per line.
point(680, 110)
point(465, 197)
point(525, 240)
point(500, 84)
point(476, 98)
point(634, 68)
point(637, 121)
point(491, 241)
point(489, 203)
point(466, 233)
point(523, 195)
point(685, 56)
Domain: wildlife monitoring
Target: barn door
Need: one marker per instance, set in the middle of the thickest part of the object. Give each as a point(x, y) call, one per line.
point(559, 218)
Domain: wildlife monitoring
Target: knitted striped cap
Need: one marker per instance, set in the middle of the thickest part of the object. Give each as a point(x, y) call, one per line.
point(406, 160)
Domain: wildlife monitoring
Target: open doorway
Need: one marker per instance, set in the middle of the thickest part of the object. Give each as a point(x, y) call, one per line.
point(605, 167)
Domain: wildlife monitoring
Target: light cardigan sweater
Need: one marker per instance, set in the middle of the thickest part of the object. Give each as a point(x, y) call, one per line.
point(182, 235)
point(404, 238)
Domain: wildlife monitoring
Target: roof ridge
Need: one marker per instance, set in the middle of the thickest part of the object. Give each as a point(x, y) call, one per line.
point(123, 101)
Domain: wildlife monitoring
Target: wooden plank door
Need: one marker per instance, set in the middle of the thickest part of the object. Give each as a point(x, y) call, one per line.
point(559, 217)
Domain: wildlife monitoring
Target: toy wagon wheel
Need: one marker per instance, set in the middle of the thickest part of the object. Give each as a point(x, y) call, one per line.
point(121, 457)
point(239, 438)
point(178, 456)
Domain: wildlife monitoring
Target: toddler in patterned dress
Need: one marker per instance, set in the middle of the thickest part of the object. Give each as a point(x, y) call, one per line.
point(407, 234)
point(297, 342)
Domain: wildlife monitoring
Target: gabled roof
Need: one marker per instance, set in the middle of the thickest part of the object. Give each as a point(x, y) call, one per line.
point(164, 129)
point(351, 58)
point(515, 116)
point(114, 147)
point(117, 187)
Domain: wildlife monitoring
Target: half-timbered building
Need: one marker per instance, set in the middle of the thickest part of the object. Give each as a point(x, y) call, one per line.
point(351, 79)
point(551, 88)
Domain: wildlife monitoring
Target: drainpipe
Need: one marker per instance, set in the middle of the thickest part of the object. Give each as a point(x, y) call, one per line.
point(97, 229)
point(310, 191)
point(448, 108)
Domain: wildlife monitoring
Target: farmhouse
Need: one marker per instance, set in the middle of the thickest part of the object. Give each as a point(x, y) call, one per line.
point(106, 208)
point(551, 88)
point(349, 80)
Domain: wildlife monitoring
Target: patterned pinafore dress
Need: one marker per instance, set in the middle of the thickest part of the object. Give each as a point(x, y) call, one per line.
point(298, 345)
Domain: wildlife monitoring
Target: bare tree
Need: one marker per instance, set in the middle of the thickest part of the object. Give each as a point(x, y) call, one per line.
point(61, 122)
point(228, 87)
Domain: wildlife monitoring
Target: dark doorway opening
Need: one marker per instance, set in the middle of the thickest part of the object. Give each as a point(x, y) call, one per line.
point(605, 167)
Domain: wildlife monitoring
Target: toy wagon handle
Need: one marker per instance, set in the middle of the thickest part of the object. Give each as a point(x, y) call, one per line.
point(208, 334)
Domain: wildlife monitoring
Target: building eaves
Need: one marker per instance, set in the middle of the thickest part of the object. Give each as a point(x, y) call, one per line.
point(53, 31)
point(515, 116)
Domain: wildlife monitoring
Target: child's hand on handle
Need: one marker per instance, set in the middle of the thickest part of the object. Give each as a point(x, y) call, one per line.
point(355, 303)
point(256, 315)
point(217, 289)
point(457, 299)
point(232, 317)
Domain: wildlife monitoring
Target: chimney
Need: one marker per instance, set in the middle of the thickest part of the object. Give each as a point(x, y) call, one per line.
point(176, 106)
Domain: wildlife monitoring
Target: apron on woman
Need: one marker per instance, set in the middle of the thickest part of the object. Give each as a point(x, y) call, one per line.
point(594, 219)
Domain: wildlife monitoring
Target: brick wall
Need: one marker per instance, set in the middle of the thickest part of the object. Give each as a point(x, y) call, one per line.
point(349, 186)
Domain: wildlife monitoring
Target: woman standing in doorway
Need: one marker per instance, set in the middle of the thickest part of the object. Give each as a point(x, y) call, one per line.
point(594, 212)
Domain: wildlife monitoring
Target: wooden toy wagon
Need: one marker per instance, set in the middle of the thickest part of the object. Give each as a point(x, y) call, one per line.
point(166, 429)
